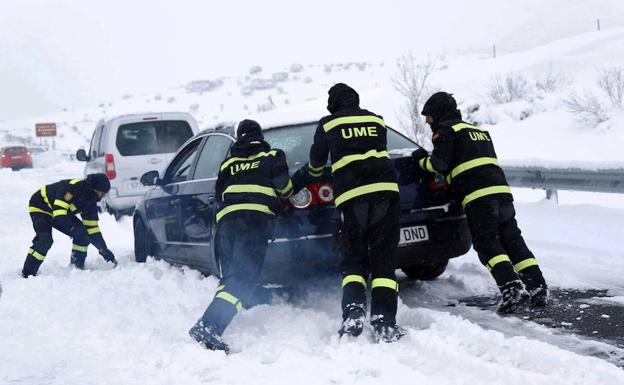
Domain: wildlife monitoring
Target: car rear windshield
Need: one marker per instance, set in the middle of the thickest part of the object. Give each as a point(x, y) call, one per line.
point(14, 150)
point(296, 141)
point(155, 137)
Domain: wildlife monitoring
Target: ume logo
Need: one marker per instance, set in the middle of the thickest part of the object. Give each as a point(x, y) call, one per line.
point(351, 132)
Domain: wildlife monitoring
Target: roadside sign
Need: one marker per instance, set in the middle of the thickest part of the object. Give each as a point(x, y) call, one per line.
point(45, 129)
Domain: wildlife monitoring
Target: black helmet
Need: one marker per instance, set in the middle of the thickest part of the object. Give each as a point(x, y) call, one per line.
point(439, 105)
point(98, 182)
point(249, 130)
point(342, 96)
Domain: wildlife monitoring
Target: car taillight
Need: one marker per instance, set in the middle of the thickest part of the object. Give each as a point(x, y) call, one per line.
point(110, 167)
point(326, 193)
point(312, 195)
point(438, 183)
point(302, 199)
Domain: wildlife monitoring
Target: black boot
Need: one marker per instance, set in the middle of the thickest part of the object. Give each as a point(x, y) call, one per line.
point(353, 322)
point(386, 332)
point(31, 266)
point(514, 295)
point(536, 285)
point(78, 259)
point(208, 337)
point(539, 296)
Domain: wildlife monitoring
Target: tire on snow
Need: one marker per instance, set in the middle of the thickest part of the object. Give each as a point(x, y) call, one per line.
point(425, 272)
point(141, 241)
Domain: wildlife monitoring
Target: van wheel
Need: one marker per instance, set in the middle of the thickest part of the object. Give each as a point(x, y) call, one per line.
point(141, 241)
point(425, 272)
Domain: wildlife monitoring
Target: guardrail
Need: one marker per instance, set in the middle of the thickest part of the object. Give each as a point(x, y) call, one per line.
point(574, 179)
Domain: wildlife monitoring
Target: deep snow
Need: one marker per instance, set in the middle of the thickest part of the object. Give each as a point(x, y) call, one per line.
point(129, 325)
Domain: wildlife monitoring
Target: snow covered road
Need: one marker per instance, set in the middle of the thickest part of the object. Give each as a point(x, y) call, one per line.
point(129, 325)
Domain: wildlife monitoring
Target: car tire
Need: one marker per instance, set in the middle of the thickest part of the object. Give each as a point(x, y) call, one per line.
point(425, 272)
point(141, 241)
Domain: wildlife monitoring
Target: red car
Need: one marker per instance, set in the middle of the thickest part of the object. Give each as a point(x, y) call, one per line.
point(15, 157)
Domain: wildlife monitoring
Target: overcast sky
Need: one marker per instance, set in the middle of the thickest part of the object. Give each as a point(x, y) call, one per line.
point(77, 53)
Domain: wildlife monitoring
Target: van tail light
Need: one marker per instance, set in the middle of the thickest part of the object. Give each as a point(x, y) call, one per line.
point(314, 194)
point(110, 167)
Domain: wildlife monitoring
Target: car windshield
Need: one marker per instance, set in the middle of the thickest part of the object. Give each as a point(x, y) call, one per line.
point(155, 137)
point(296, 141)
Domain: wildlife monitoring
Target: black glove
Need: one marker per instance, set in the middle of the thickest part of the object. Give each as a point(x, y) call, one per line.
point(419, 154)
point(108, 256)
point(299, 178)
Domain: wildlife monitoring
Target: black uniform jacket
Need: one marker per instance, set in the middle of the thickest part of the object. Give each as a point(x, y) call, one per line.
point(360, 164)
point(64, 200)
point(251, 179)
point(465, 154)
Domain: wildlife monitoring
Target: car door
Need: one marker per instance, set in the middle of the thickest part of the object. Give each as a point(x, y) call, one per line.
point(163, 204)
point(95, 164)
point(197, 209)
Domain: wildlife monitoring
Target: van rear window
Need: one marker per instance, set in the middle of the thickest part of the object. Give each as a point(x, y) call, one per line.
point(154, 137)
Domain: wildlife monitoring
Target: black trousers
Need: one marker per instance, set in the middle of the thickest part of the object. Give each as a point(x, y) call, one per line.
point(499, 243)
point(42, 242)
point(240, 243)
point(369, 236)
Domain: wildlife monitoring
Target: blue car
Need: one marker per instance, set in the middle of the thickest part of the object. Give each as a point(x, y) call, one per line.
point(175, 220)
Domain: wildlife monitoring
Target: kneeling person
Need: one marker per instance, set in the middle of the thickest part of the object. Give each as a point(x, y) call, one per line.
point(247, 191)
point(56, 206)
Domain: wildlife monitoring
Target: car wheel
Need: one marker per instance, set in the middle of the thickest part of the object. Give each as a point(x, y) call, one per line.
point(141, 241)
point(425, 272)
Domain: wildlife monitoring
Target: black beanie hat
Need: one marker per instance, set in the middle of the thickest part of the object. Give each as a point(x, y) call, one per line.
point(439, 104)
point(98, 182)
point(342, 96)
point(249, 130)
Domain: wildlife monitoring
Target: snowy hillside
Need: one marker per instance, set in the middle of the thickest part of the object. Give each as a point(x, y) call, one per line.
point(536, 124)
point(129, 325)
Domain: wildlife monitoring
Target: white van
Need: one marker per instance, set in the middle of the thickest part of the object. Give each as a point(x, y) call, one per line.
point(125, 147)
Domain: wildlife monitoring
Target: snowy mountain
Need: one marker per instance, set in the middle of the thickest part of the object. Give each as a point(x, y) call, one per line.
point(538, 114)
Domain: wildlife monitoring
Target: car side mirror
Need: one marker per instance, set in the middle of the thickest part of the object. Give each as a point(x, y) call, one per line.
point(151, 178)
point(81, 155)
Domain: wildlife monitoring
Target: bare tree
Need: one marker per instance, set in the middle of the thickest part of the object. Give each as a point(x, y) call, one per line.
point(552, 80)
point(586, 109)
point(611, 81)
point(509, 88)
point(412, 82)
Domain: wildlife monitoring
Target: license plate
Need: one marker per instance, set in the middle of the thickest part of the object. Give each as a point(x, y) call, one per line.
point(413, 234)
point(16, 157)
point(134, 186)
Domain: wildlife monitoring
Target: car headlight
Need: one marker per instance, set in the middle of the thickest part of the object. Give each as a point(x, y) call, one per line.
point(302, 199)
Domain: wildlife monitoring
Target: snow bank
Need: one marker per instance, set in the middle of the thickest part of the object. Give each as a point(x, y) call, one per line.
point(129, 325)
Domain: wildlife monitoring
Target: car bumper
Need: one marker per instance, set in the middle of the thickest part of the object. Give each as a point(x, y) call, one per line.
point(122, 202)
point(449, 238)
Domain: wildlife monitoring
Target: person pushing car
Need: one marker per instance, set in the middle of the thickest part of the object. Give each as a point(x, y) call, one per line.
point(247, 190)
point(56, 206)
point(464, 154)
point(367, 197)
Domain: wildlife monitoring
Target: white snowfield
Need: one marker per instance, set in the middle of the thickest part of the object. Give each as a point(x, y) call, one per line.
point(129, 325)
